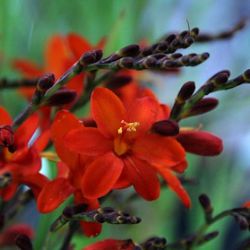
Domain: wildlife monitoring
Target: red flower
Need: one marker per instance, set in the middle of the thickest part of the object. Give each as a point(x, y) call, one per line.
point(125, 151)
point(61, 53)
point(23, 165)
point(71, 170)
point(111, 244)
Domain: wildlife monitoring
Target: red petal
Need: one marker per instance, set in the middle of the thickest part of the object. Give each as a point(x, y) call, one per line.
point(63, 123)
point(176, 186)
point(101, 44)
point(144, 111)
point(35, 182)
point(24, 133)
point(246, 204)
point(143, 177)
point(56, 55)
point(53, 195)
point(111, 244)
point(78, 44)
point(107, 110)
point(5, 118)
point(200, 142)
point(27, 68)
point(158, 150)
point(101, 175)
point(88, 141)
point(8, 192)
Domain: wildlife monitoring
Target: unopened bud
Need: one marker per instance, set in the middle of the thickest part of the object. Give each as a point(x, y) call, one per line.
point(23, 242)
point(126, 62)
point(129, 51)
point(203, 106)
point(246, 75)
point(205, 203)
point(91, 57)
point(186, 91)
point(45, 82)
point(166, 128)
point(62, 97)
point(118, 81)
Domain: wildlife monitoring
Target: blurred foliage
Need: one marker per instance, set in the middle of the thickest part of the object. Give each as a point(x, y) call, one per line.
point(26, 25)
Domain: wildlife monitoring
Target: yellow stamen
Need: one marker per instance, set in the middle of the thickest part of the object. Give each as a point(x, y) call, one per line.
point(128, 126)
point(50, 156)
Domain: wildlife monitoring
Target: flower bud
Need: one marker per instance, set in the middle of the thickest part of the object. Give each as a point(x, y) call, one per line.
point(166, 128)
point(91, 57)
point(45, 82)
point(129, 51)
point(23, 242)
point(203, 106)
point(186, 91)
point(126, 62)
point(62, 97)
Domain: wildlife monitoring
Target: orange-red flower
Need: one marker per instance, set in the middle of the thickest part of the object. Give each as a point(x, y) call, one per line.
point(61, 52)
point(111, 244)
point(124, 149)
point(71, 170)
point(21, 166)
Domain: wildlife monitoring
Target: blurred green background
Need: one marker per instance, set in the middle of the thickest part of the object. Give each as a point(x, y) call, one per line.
point(26, 25)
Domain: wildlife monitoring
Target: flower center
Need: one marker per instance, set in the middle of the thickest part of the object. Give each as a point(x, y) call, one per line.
point(121, 145)
point(128, 126)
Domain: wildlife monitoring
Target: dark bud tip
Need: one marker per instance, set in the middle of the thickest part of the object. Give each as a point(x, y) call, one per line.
point(205, 203)
point(211, 236)
point(205, 105)
point(205, 56)
point(170, 38)
point(45, 82)
point(91, 57)
point(186, 91)
point(62, 97)
point(23, 242)
point(221, 77)
point(130, 50)
point(246, 75)
point(70, 211)
point(126, 62)
point(150, 62)
point(118, 81)
point(166, 128)
point(195, 32)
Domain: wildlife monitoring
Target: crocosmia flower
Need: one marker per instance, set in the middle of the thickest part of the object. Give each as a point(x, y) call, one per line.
point(125, 152)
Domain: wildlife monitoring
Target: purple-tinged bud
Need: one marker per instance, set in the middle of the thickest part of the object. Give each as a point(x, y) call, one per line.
point(170, 38)
point(126, 62)
point(45, 82)
point(205, 203)
point(166, 128)
point(195, 32)
point(246, 75)
point(23, 242)
point(203, 106)
point(162, 46)
point(62, 97)
point(186, 91)
point(147, 51)
point(242, 221)
point(220, 77)
point(129, 51)
point(91, 57)
point(149, 62)
point(118, 81)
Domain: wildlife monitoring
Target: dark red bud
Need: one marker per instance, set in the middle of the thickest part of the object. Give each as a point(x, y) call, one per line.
point(200, 142)
point(205, 203)
point(186, 91)
point(126, 62)
point(220, 77)
point(205, 105)
point(246, 75)
point(130, 50)
point(23, 242)
point(45, 82)
point(118, 81)
point(88, 122)
point(6, 136)
point(91, 57)
point(166, 128)
point(62, 97)
point(70, 211)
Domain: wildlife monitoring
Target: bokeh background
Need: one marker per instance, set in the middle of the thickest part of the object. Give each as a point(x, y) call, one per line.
point(26, 25)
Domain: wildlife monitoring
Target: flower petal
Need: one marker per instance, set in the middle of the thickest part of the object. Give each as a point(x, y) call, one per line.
point(159, 150)
point(143, 110)
point(101, 175)
point(5, 118)
point(200, 142)
point(88, 141)
point(107, 110)
point(143, 177)
point(78, 45)
point(111, 244)
point(27, 68)
point(53, 195)
point(24, 133)
point(176, 186)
